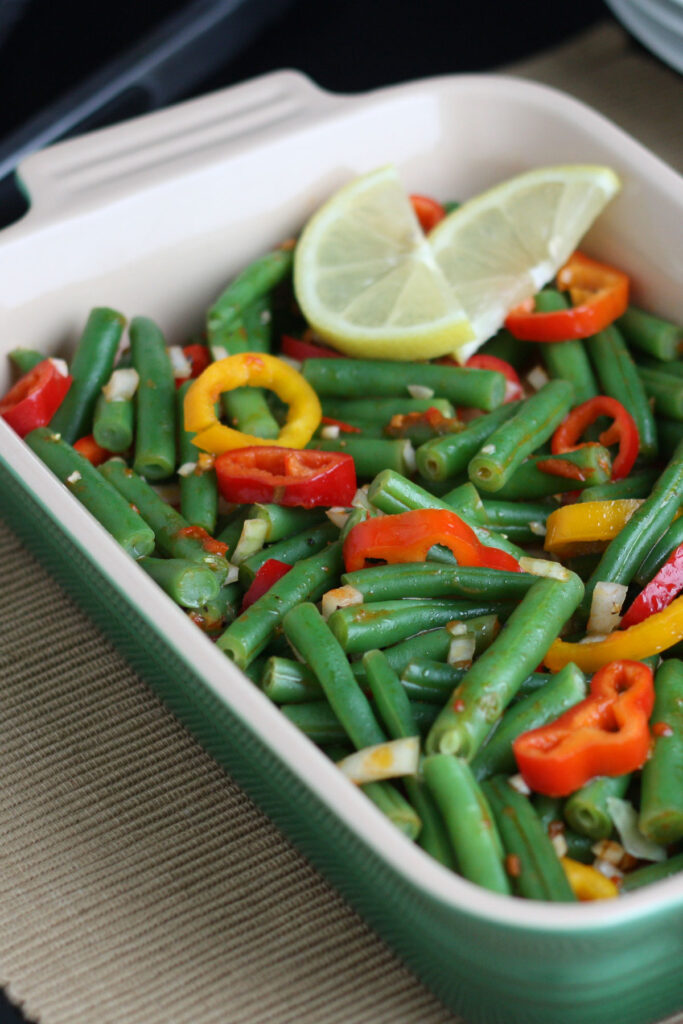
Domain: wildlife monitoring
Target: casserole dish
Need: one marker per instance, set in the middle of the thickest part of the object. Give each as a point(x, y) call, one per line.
point(153, 217)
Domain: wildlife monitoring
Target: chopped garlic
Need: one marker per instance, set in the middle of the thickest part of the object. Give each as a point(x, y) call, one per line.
point(606, 605)
point(420, 391)
point(340, 597)
point(74, 477)
point(456, 628)
point(517, 783)
point(488, 449)
point(409, 457)
point(384, 761)
point(182, 367)
point(330, 431)
point(537, 378)
point(607, 869)
point(60, 366)
point(187, 468)
point(559, 844)
point(537, 528)
point(122, 385)
point(609, 851)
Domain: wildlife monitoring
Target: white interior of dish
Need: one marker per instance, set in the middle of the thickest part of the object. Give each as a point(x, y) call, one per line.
point(154, 216)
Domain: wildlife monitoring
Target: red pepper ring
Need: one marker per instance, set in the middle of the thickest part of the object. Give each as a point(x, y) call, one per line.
point(623, 430)
point(269, 573)
point(35, 398)
point(300, 349)
point(408, 536)
point(428, 211)
point(286, 476)
point(599, 295)
point(659, 592)
point(605, 734)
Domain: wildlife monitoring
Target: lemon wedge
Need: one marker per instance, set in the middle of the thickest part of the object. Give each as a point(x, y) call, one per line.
point(366, 278)
point(502, 246)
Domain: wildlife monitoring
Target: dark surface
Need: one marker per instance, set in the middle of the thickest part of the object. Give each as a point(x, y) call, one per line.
point(351, 46)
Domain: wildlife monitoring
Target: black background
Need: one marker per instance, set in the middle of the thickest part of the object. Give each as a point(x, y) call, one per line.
point(49, 46)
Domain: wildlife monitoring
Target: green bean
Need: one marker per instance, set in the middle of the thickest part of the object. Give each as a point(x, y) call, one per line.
point(512, 350)
point(465, 500)
point(540, 875)
point(359, 628)
point(661, 796)
point(370, 455)
point(445, 457)
point(113, 423)
point(566, 359)
point(101, 499)
point(652, 873)
point(199, 489)
point(289, 682)
point(586, 810)
point(495, 677)
point(25, 359)
point(390, 493)
point(420, 430)
point(290, 549)
point(422, 579)
point(579, 847)
point(167, 524)
point(628, 549)
point(564, 690)
point(430, 681)
point(521, 522)
point(651, 334)
point(666, 389)
point(283, 522)
point(469, 821)
point(619, 378)
point(508, 446)
point(317, 720)
point(91, 367)
point(337, 378)
point(155, 411)
point(251, 631)
point(660, 553)
point(394, 806)
point(308, 632)
point(549, 811)
point(673, 368)
point(380, 410)
point(531, 481)
point(259, 278)
point(189, 584)
point(636, 485)
point(670, 434)
point(216, 615)
point(246, 408)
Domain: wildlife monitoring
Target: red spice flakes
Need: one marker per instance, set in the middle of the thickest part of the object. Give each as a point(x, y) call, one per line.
point(662, 729)
point(513, 865)
point(458, 705)
point(213, 547)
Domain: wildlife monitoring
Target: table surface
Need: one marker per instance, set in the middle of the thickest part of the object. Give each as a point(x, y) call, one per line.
point(139, 884)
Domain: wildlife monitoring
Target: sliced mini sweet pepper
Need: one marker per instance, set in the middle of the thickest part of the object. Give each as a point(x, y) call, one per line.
point(428, 211)
point(587, 882)
point(607, 733)
point(301, 349)
point(659, 592)
point(578, 528)
point(599, 295)
point(408, 536)
point(622, 430)
point(655, 634)
point(254, 370)
point(269, 573)
point(199, 358)
point(35, 398)
point(286, 476)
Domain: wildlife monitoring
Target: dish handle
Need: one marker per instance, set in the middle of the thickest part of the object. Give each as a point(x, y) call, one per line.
point(149, 150)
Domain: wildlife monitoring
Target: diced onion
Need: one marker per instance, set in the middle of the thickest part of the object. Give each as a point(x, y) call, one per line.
point(625, 818)
point(330, 431)
point(338, 515)
point(233, 573)
point(608, 850)
point(608, 869)
point(361, 500)
point(252, 539)
point(517, 783)
point(605, 615)
point(461, 649)
point(419, 391)
point(559, 844)
point(122, 385)
point(537, 528)
point(384, 761)
point(340, 597)
point(537, 378)
point(456, 628)
point(74, 477)
point(187, 468)
point(182, 367)
point(544, 567)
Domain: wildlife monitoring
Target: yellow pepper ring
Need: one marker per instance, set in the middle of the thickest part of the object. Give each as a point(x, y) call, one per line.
point(654, 634)
point(570, 528)
point(255, 370)
point(587, 882)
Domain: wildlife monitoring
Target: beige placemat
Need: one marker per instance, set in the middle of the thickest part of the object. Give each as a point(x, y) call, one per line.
point(137, 883)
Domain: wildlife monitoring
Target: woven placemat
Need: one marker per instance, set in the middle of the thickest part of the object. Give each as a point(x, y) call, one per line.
point(138, 883)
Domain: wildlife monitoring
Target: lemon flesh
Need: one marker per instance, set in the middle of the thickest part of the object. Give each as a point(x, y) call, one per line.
point(502, 246)
point(367, 280)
